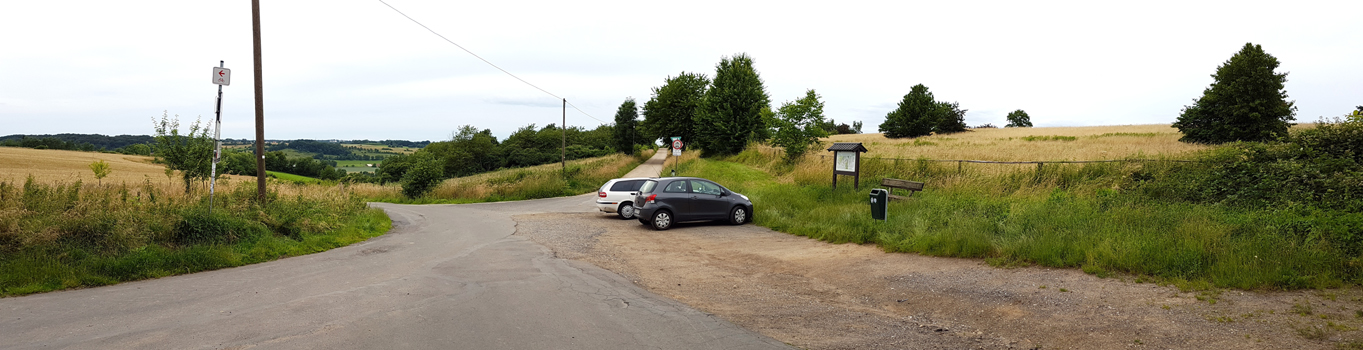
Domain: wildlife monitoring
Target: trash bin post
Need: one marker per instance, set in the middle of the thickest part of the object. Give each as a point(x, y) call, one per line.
point(879, 200)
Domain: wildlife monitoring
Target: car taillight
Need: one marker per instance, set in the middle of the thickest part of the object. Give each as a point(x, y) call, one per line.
point(651, 197)
point(601, 194)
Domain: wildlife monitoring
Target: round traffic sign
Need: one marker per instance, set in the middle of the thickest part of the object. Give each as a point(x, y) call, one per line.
point(677, 144)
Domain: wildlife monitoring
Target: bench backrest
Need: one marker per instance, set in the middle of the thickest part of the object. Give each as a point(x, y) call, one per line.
point(904, 184)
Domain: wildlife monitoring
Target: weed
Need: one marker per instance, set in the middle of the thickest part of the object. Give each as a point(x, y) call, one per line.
point(1302, 308)
point(1312, 332)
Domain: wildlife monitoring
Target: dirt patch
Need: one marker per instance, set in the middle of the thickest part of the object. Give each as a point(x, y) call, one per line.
point(816, 295)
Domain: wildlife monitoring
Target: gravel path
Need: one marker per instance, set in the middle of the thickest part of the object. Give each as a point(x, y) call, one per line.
point(816, 295)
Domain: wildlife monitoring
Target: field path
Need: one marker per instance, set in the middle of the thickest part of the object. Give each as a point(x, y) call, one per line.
point(446, 276)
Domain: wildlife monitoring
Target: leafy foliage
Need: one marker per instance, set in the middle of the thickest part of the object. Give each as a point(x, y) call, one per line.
point(799, 124)
point(1018, 119)
point(472, 151)
point(190, 154)
point(424, 175)
point(101, 169)
point(673, 108)
point(1246, 102)
point(951, 118)
point(627, 127)
point(731, 112)
point(469, 151)
point(916, 115)
point(1313, 180)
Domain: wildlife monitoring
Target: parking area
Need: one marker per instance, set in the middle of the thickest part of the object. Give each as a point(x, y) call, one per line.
point(816, 295)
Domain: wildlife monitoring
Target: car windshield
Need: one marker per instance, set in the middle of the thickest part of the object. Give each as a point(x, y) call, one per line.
point(648, 186)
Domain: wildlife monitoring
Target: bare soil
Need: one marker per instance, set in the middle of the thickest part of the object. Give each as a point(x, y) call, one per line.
point(816, 295)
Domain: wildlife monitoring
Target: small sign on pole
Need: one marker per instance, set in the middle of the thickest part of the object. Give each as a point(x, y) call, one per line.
point(676, 146)
point(222, 76)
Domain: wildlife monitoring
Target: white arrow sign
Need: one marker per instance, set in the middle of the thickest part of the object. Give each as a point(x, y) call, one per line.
point(222, 76)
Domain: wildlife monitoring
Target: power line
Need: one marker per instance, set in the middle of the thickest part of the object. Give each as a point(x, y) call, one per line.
point(461, 47)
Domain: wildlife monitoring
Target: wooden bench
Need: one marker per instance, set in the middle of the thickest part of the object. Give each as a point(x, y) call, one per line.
point(911, 186)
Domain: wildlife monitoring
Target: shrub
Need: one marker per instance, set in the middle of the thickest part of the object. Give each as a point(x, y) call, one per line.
point(422, 177)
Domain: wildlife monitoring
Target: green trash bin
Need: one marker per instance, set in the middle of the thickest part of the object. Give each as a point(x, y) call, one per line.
point(880, 198)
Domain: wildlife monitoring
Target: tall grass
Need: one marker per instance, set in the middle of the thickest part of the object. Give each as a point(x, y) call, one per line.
point(66, 235)
point(541, 181)
point(1060, 215)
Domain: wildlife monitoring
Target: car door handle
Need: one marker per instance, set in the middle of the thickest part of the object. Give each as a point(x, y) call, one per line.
point(693, 197)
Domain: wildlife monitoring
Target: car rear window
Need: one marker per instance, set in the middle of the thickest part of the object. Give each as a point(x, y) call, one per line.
point(627, 186)
point(648, 186)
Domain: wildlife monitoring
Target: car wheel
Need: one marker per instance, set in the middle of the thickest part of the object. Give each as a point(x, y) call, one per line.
point(738, 216)
point(662, 220)
point(626, 210)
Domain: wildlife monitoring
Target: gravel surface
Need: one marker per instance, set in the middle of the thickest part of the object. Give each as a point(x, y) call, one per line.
point(816, 295)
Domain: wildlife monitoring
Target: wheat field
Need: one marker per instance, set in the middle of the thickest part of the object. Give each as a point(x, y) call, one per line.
point(58, 166)
point(1013, 144)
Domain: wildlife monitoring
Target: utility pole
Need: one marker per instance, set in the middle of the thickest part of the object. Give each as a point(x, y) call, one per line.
point(260, 106)
point(564, 128)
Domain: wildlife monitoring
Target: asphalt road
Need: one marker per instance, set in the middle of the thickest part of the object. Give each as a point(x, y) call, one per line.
point(446, 277)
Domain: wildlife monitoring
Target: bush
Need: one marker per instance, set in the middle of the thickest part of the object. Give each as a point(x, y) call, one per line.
point(422, 177)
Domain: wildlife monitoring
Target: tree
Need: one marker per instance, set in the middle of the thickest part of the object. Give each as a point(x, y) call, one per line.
point(672, 109)
point(627, 127)
point(799, 124)
point(101, 169)
point(1018, 119)
point(731, 113)
point(916, 115)
point(190, 154)
point(950, 118)
point(1246, 102)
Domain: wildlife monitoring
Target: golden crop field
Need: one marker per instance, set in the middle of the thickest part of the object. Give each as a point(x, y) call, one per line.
point(1013, 144)
point(53, 166)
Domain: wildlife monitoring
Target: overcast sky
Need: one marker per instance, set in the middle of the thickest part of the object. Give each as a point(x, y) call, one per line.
point(355, 69)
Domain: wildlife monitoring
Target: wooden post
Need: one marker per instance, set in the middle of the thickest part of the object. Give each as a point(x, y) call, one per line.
point(260, 105)
point(564, 156)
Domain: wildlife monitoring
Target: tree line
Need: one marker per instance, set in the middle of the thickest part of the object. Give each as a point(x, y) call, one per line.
point(125, 144)
point(472, 151)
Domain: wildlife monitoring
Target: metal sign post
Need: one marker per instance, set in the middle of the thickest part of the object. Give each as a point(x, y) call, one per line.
point(676, 152)
point(221, 76)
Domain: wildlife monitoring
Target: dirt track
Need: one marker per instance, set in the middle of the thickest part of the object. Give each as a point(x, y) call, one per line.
point(816, 295)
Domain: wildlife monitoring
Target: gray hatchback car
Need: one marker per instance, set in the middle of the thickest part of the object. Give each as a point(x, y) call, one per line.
point(665, 201)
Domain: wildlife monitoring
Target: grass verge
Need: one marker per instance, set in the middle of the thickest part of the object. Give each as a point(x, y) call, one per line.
point(1070, 216)
point(74, 235)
